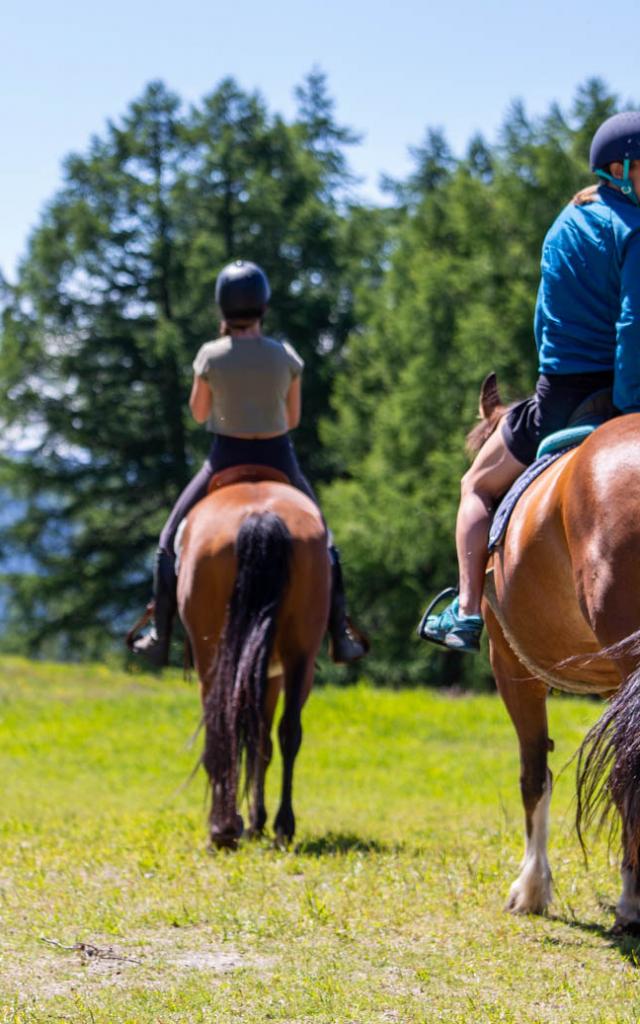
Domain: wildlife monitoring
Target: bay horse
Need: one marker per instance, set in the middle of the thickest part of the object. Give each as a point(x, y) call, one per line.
point(562, 609)
point(253, 596)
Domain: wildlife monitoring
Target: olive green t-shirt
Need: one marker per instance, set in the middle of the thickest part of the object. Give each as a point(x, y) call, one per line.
point(249, 380)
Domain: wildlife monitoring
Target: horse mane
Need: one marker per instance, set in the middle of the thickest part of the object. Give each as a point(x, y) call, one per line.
point(483, 430)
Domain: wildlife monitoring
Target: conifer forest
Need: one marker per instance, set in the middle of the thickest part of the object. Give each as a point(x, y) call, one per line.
point(399, 309)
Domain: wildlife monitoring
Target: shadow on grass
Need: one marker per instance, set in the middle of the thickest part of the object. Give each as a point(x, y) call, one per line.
point(626, 941)
point(341, 842)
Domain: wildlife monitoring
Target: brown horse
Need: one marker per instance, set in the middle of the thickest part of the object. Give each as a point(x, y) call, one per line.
point(253, 595)
point(561, 590)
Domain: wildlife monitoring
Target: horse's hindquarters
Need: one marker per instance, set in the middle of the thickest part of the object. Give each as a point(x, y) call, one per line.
point(533, 591)
point(254, 597)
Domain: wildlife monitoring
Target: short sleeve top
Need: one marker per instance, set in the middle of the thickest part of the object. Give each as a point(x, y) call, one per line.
point(249, 380)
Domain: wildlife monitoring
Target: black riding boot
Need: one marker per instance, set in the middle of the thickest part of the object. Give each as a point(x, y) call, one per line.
point(154, 645)
point(347, 643)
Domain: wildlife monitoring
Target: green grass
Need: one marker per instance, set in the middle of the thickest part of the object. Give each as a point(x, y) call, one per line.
point(390, 909)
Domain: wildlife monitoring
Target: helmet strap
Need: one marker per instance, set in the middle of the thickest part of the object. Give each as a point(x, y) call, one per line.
point(624, 183)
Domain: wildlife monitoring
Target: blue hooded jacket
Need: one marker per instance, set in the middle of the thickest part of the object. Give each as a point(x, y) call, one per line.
point(587, 315)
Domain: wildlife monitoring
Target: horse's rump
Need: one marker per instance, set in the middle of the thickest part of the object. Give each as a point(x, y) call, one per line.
point(208, 562)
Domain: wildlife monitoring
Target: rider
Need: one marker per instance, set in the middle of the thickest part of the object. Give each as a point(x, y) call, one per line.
point(587, 331)
point(247, 388)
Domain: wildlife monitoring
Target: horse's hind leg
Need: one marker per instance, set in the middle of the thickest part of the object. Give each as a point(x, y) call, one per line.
point(298, 680)
point(258, 812)
point(525, 699)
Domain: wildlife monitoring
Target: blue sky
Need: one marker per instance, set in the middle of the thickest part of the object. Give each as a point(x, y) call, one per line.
point(393, 68)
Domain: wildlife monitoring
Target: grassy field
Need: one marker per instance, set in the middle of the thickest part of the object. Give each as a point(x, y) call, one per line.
point(389, 909)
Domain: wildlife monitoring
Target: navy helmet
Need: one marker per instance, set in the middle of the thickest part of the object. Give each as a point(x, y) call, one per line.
point(617, 139)
point(242, 290)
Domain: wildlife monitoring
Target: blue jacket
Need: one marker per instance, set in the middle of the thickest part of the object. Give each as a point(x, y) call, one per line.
point(587, 315)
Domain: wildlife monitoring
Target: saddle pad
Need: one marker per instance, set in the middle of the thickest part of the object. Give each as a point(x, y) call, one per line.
point(517, 489)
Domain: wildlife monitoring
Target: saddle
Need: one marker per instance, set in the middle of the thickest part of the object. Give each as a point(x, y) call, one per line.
point(248, 473)
point(590, 414)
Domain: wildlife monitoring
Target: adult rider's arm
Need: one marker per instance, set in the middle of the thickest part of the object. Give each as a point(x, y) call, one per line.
point(626, 384)
point(200, 399)
point(294, 403)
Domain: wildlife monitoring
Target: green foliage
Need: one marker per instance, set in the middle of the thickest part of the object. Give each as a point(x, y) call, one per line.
point(399, 312)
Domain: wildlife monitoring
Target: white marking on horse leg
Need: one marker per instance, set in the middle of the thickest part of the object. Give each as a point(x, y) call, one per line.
point(628, 906)
point(531, 891)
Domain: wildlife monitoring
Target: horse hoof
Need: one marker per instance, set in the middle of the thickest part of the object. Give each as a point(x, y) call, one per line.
point(532, 891)
point(284, 826)
point(623, 926)
point(224, 842)
point(281, 841)
point(226, 837)
point(520, 903)
point(257, 823)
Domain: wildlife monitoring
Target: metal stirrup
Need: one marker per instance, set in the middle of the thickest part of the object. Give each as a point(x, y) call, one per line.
point(447, 592)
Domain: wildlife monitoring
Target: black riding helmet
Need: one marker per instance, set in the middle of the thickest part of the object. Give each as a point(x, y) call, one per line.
point(242, 291)
point(617, 139)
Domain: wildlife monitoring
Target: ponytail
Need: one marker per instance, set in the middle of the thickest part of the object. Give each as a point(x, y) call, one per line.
point(586, 195)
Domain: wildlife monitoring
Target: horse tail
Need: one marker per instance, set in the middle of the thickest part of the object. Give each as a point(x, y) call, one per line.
point(608, 772)
point(235, 696)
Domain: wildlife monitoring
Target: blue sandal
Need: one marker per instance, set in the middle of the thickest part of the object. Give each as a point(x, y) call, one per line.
point(449, 628)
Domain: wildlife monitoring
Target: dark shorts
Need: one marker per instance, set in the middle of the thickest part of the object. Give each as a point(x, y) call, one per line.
point(277, 452)
point(556, 398)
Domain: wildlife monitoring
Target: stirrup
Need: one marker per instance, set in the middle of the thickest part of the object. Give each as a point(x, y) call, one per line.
point(139, 624)
point(153, 648)
point(442, 596)
point(451, 629)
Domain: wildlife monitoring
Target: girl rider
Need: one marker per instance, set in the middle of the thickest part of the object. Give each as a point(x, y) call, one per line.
point(587, 331)
point(247, 388)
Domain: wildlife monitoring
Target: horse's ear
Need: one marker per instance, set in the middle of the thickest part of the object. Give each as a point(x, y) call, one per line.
point(489, 396)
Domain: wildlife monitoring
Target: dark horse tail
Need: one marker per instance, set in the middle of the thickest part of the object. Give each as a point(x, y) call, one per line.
point(235, 696)
point(609, 760)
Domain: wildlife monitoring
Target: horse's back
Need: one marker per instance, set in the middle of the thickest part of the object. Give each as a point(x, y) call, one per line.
point(208, 560)
point(571, 554)
point(214, 522)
